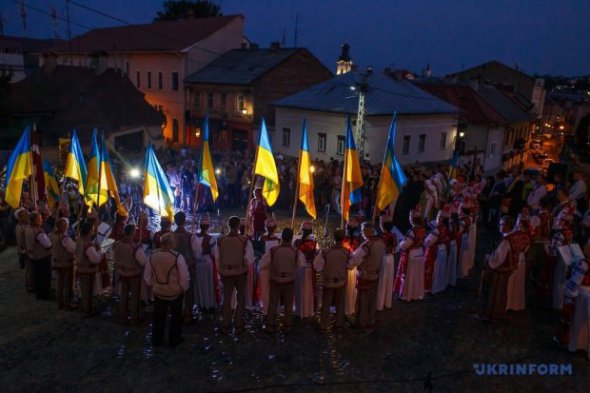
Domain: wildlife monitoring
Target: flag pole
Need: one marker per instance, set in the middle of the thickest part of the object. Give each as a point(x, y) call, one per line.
point(342, 190)
point(33, 170)
point(381, 177)
point(298, 184)
point(252, 183)
point(99, 160)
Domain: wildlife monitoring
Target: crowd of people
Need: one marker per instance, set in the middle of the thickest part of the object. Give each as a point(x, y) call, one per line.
point(253, 264)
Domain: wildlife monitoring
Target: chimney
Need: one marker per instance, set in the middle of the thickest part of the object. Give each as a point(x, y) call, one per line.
point(275, 46)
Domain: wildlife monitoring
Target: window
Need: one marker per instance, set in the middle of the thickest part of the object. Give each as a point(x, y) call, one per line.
point(138, 79)
point(493, 149)
point(240, 104)
point(406, 145)
point(175, 130)
point(175, 81)
point(160, 81)
point(286, 136)
point(443, 140)
point(322, 142)
point(210, 101)
point(223, 100)
point(421, 143)
point(149, 79)
point(340, 145)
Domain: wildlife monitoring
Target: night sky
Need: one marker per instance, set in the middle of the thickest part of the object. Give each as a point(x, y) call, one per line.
point(541, 36)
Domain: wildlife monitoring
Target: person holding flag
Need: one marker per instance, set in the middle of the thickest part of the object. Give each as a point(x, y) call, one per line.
point(75, 168)
point(206, 170)
point(267, 195)
point(52, 189)
point(305, 185)
point(352, 177)
point(157, 193)
point(18, 168)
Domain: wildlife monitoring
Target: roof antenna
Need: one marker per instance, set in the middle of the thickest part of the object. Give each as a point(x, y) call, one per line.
point(296, 29)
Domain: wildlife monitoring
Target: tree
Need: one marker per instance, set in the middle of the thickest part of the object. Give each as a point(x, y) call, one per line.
point(186, 9)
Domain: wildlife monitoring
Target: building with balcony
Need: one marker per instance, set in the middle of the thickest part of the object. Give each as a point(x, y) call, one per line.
point(236, 90)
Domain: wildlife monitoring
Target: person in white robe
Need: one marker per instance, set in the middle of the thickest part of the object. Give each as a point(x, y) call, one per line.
point(203, 245)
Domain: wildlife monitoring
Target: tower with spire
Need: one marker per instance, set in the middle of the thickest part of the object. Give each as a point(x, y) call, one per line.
point(344, 63)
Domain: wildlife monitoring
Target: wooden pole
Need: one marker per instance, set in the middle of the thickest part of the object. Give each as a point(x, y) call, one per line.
point(298, 184)
point(251, 188)
point(195, 207)
point(342, 191)
point(33, 182)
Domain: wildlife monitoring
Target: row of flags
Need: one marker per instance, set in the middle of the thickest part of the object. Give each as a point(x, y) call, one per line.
point(96, 182)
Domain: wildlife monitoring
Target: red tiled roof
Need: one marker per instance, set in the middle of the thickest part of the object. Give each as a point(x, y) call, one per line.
point(74, 97)
point(475, 109)
point(157, 36)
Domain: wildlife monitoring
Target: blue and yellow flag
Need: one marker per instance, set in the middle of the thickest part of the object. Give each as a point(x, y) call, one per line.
point(265, 166)
point(392, 177)
point(157, 193)
point(206, 168)
point(106, 172)
point(94, 173)
point(454, 163)
point(51, 185)
point(18, 169)
point(352, 177)
point(75, 165)
point(305, 175)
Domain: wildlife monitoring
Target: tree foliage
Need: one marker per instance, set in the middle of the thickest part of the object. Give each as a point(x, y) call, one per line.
point(185, 9)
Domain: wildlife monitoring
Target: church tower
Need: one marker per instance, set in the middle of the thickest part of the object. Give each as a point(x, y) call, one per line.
point(344, 63)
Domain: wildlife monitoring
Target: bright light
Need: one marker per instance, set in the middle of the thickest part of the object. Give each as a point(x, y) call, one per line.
point(561, 127)
point(218, 171)
point(134, 173)
point(461, 134)
point(352, 88)
point(312, 168)
point(198, 132)
point(244, 111)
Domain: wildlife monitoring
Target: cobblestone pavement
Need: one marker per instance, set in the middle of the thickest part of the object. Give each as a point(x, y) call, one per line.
point(43, 350)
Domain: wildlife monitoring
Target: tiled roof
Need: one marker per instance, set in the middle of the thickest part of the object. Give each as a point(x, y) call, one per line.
point(493, 64)
point(71, 97)
point(507, 107)
point(475, 109)
point(241, 66)
point(11, 44)
point(384, 97)
point(157, 36)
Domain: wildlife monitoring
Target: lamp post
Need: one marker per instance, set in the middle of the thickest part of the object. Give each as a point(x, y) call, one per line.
point(362, 87)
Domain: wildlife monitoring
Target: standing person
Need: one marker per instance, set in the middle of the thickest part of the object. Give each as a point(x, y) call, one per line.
point(537, 194)
point(165, 227)
point(516, 299)
point(563, 235)
point(385, 288)
point(257, 209)
point(63, 252)
point(233, 255)
point(409, 280)
point(187, 180)
point(454, 245)
point(39, 253)
point(351, 242)
point(436, 255)
point(269, 240)
point(183, 244)
point(129, 261)
point(283, 261)
point(20, 232)
point(563, 202)
point(87, 260)
point(465, 254)
point(304, 286)
point(537, 257)
point(166, 272)
point(368, 259)
point(334, 263)
point(206, 286)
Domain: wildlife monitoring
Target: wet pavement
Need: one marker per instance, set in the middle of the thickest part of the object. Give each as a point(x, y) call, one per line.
point(46, 350)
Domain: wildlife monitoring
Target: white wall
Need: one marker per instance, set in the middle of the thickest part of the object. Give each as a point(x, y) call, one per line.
point(377, 128)
point(14, 62)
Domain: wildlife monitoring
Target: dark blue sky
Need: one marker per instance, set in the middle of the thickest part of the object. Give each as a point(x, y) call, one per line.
point(542, 36)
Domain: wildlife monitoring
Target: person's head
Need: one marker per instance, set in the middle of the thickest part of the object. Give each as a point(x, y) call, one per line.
point(204, 224)
point(339, 235)
point(129, 230)
point(86, 229)
point(62, 225)
point(506, 224)
point(165, 224)
point(233, 223)
point(258, 193)
point(287, 235)
point(515, 172)
point(271, 225)
point(416, 216)
point(35, 219)
point(386, 223)
point(167, 240)
point(577, 175)
point(351, 225)
point(563, 195)
point(23, 216)
point(540, 178)
point(306, 228)
point(180, 218)
point(367, 229)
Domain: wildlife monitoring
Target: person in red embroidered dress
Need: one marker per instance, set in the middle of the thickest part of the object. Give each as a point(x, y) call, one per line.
point(409, 280)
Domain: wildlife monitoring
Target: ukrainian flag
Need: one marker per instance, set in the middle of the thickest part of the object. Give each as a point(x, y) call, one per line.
point(18, 169)
point(206, 169)
point(106, 172)
point(305, 175)
point(352, 177)
point(51, 185)
point(94, 173)
point(392, 177)
point(75, 165)
point(265, 166)
point(454, 163)
point(157, 193)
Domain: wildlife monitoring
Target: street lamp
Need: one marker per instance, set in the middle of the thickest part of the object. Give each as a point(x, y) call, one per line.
point(461, 134)
point(134, 173)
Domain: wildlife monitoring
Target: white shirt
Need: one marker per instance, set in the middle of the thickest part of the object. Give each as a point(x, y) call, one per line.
point(578, 190)
point(498, 257)
point(43, 239)
point(93, 255)
point(536, 195)
point(267, 258)
point(183, 276)
point(197, 245)
point(357, 256)
point(68, 244)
